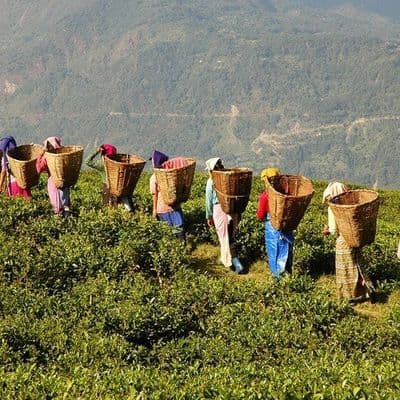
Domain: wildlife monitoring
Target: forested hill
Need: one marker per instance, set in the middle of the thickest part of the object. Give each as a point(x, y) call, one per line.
point(312, 88)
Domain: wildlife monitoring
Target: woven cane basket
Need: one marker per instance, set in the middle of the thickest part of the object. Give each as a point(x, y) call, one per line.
point(65, 164)
point(233, 188)
point(22, 162)
point(356, 212)
point(288, 198)
point(175, 183)
point(123, 172)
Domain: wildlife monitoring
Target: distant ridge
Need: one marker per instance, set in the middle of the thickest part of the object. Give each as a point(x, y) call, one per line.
point(315, 87)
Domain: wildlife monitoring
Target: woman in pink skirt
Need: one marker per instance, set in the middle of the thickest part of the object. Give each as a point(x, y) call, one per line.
point(59, 197)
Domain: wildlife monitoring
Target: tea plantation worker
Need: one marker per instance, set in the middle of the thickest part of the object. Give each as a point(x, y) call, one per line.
point(173, 216)
point(279, 244)
point(7, 179)
point(351, 281)
point(224, 224)
point(98, 165)
point(59, 197)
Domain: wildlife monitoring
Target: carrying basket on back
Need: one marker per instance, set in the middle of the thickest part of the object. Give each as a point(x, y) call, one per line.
point(356, 212)
point(22, 162)
point(64, 164)
point(175, 183)
point(233, 187)
point(289, 197)
point(123, 172)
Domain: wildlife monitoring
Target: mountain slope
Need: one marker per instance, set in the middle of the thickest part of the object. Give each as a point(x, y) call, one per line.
point(168, 74)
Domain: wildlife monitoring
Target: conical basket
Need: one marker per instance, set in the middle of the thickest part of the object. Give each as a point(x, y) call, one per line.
point(64, 164)
point(22, 162)
point(233, 187)
point(123, 172)
point(175, 183)
point(288, 198)
point(356, 212)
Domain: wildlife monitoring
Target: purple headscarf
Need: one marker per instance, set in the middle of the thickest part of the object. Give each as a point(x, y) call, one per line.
point(158, 158)
point(6, 143)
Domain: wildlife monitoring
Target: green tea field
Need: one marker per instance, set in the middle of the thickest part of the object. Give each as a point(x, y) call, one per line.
point(110, 305)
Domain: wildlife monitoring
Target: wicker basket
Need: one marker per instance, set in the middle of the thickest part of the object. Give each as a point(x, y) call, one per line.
point(123, 172)
point(233, 188)
point(288, 200)
point(22, 162)
point(356, 212)
point(175, 183)
point(65, 164)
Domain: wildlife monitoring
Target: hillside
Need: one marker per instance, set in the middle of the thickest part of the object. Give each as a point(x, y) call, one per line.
point(106, 304)
point(313, 89)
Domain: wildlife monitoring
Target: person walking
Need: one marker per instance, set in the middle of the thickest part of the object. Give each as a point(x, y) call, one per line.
point(98, 165)
point(7, 179)
point(59, 197)
point(172, 215)
point(278, 244)
point(223, 223)
point(351, 281)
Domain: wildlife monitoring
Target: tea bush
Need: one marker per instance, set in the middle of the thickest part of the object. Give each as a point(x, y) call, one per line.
point(106, 304)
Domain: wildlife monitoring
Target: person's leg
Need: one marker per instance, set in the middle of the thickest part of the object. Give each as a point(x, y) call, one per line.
point(232, 229)
point(285, 252)
point(64, 194)
point(221, 227)
point(175, 220)
point(54, 196)
point(272, 246)
point(126, 201)
point(107, 198)
point(289, 261)
point(346, 269)
point(105, 195)
point(179, 224)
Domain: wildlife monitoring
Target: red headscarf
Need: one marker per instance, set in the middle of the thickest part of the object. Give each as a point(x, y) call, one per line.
point(108, 149)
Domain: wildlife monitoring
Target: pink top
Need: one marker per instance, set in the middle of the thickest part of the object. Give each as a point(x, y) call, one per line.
point(155, 190)
point(176, 162)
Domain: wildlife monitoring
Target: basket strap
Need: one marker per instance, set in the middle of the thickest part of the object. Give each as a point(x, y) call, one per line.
point(239, 196)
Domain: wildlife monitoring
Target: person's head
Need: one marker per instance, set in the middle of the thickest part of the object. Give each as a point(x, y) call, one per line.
point(107, 149)
point(158, 159)
point(7, 143)
point(332, 190)
point(268, 175)
point(52, 143)
point(214, 164)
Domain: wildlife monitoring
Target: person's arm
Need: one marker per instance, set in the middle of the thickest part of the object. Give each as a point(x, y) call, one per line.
point(209, 202)
point(155, 200)
point(154, 194)
point(95, 164)
point(262, 206)
point(330, 229)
